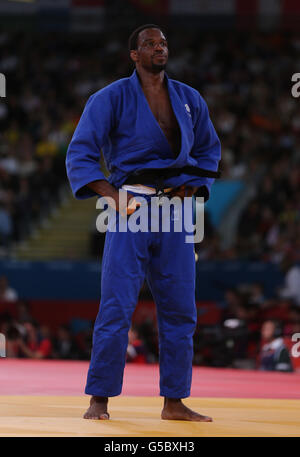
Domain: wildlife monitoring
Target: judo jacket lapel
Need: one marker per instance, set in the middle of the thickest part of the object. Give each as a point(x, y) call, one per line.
point(149, 124)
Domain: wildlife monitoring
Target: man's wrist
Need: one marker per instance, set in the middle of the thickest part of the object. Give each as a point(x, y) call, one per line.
point(103, 188)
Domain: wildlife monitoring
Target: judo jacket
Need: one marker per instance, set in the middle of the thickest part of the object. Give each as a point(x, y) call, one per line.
point(118, 121)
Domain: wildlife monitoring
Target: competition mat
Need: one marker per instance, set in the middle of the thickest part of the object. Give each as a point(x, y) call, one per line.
point(45, 398)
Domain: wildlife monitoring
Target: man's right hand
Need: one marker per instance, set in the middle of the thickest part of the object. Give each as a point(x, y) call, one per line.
point(105, 189)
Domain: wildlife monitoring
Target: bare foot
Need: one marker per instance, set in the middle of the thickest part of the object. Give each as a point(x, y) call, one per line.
point(97, 409)
point(174, 409)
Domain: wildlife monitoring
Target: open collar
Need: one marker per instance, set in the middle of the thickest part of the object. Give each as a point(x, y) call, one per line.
point(180, 113)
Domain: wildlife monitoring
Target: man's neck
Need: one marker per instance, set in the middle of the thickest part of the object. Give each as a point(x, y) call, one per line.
point(153, 81)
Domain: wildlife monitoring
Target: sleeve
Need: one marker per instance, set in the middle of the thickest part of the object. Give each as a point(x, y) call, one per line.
point(84, 151)
point(207, 147)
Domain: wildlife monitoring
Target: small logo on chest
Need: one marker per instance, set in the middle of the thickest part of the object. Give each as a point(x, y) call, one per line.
point(188, 109)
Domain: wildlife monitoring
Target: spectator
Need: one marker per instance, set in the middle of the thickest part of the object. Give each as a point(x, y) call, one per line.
point(7, 293)
point(37, 344)
point(64, 345)
point(291, 289)
point(274, 355)
point(257, 294)
point(12, 336)
point(23, 312)
point(136, 352)
point(6, 228)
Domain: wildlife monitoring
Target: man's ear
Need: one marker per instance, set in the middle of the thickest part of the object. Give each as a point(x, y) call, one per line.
point(133, 55)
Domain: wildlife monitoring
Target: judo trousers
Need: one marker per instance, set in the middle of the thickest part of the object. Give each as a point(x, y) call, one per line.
point(167, 262)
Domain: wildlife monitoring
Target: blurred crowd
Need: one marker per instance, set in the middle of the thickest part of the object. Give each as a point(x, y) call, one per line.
point(269, 227)
point(246, 328)
point(245, 77)
point(37, 120)
point(25, 337)
point(249, 331)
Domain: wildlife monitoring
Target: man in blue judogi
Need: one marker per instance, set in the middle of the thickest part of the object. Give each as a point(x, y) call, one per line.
point(157, 138)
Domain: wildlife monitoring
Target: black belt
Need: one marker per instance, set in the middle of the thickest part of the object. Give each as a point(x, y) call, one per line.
point(157, 176)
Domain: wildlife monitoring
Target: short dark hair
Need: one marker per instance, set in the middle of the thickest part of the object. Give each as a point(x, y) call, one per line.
point(133, 39)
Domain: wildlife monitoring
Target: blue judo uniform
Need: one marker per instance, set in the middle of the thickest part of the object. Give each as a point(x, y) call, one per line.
point(118, 120)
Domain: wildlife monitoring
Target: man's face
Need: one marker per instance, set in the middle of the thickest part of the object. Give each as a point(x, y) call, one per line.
point(268, 330)
point(152, 50)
